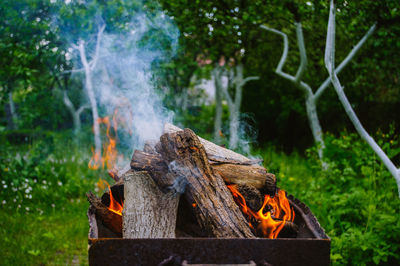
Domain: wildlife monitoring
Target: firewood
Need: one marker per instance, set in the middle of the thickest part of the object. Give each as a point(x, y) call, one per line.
point(148, 212)
point(253, 175)
point(253, 197)
point(213, 205)
point(110, 219)
point(215, 152)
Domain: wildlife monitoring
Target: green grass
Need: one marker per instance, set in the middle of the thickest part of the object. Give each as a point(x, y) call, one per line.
point(56, 238)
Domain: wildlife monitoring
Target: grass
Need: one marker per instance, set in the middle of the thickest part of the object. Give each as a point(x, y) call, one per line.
point(56, 238)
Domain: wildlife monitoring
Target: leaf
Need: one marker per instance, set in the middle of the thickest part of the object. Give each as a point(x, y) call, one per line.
point(34, 252)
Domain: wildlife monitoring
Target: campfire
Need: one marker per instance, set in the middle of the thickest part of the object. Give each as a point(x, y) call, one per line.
point(184, 187)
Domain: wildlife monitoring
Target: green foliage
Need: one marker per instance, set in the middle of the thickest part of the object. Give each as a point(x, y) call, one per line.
point(43, 205)
point(356, 200)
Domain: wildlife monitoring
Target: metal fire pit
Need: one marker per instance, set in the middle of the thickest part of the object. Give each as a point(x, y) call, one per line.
point(310, 247)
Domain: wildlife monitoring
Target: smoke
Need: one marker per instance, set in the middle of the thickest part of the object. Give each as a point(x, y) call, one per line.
point(122, 78)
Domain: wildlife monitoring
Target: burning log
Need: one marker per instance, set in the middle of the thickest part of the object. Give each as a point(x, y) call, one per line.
point(110, 219)
point(148, 212)
point(204, 189)
point(252, 175)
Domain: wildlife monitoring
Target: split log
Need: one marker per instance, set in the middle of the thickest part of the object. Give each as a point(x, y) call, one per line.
point(215, 152)
point(252, 175)
point(213, 205)
point(110, 219)
point(148, 212)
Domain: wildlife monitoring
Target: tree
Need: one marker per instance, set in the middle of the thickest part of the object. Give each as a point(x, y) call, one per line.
point(330, 66)
point(311, 97)
point(88, 66)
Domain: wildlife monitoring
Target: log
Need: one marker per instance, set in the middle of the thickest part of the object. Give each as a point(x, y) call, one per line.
point(215, 152)
point(110, 219)
point(148, 212)
point(252, 175)
point(213, 205)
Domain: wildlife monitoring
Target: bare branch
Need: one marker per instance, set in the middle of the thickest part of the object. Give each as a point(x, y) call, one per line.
point(284, 53)
point(68, 102)
point(82, 108)
point(97, 49)
point(330, 65)
point(249, 79)
point(302, 50)
point(348, 58)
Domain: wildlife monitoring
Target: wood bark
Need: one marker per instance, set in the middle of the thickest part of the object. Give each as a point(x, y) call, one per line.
point(213, 205)
point(215, 152)
point(148, 212)
point(253, 175)
point(110, 219)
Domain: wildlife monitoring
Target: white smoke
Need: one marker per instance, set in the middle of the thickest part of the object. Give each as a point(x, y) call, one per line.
point(123, 79)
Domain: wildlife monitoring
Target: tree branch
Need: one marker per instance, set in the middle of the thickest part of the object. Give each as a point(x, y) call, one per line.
point(348, 58)
point(330, 65)
point(302, 50)
point(97, 49)
point(302, 85)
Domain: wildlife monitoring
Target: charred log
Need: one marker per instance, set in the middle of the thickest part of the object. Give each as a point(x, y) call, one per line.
point(110, 219)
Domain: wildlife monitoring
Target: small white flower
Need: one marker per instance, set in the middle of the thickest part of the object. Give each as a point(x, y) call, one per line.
point(53, 205)
point(4, 202)
point(30, 196)
point(44, 182)
point(3, 182)
point(59, 183)
point(14, 200)
point(19, 206)
point(27, 208)
point(4, 186)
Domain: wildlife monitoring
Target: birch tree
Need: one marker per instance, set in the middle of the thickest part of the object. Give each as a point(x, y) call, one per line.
point(311, 97)
point(75, 112)
point(236, 81)
point(217, 75)
point(330, 66)
point(88, 68)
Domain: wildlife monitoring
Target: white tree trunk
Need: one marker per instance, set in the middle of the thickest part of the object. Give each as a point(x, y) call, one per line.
point(76, 114)
point(237, 80)
point(217, 74)
point(310, 97)
point(92, 98)
point(315, 126)
point(13, 112)
point(330, 65)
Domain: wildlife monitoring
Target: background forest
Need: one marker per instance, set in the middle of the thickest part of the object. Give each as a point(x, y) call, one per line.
point(215, 67)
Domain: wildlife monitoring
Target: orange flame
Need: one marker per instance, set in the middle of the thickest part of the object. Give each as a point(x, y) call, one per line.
point(109, 156)
point(114, 205)
point(270, 223)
